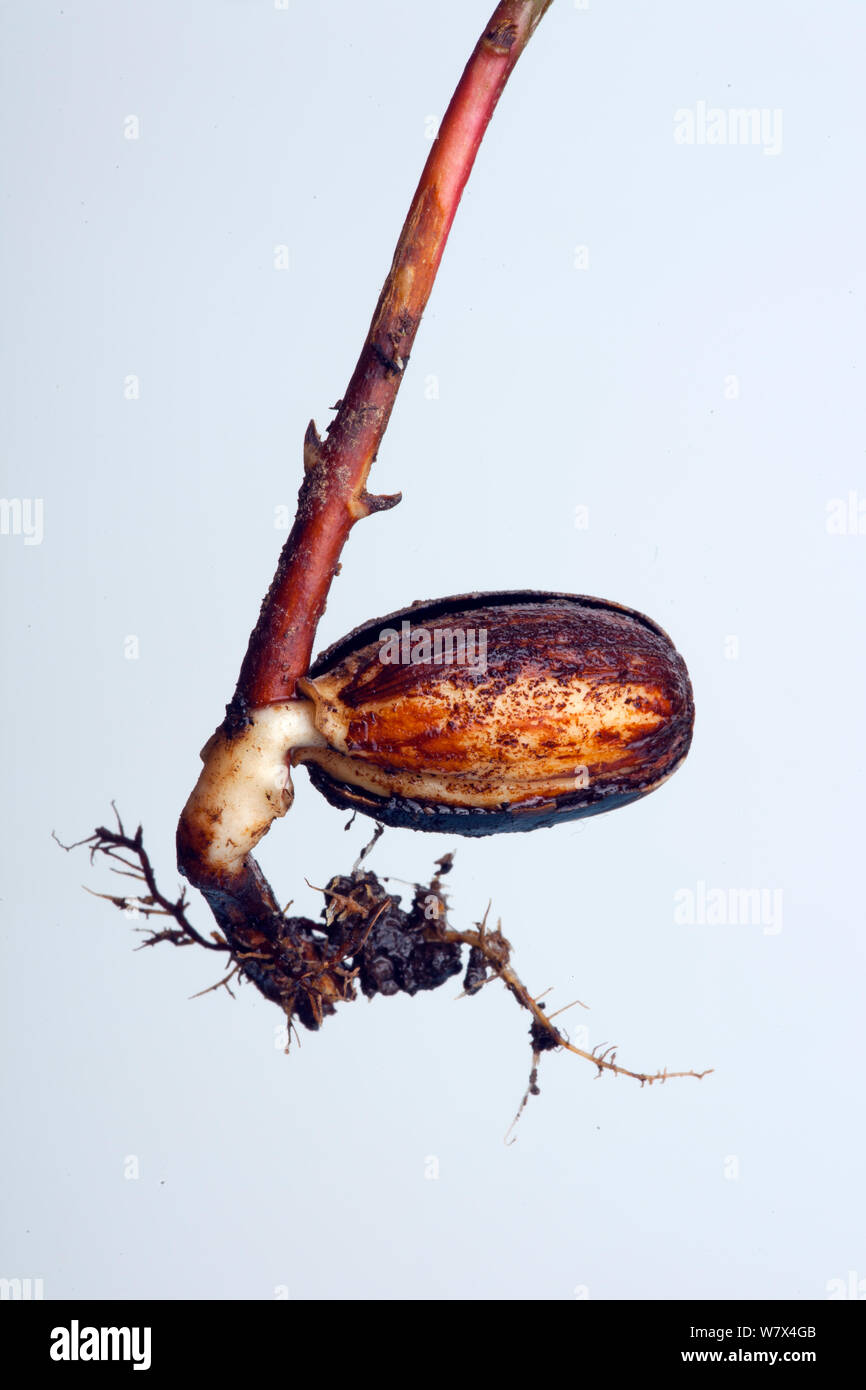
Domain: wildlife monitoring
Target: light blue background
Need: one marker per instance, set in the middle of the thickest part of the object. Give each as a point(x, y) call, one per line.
point(557, 388)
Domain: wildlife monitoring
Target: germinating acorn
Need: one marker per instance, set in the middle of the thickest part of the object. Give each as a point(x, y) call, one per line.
point(469, 715)
point(502, 711)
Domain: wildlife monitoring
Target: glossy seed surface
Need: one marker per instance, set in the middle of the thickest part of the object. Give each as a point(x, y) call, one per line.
point(503, 711)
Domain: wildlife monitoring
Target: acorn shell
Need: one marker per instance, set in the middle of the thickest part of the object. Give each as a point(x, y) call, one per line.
point(579, 706)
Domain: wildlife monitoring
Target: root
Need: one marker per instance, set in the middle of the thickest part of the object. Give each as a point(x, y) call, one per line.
point(365, 941)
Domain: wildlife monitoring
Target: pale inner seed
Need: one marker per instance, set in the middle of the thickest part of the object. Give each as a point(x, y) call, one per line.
point(539, 738)
point(245, 784)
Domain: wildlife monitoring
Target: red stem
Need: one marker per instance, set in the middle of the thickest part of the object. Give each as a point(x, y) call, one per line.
point(333, 494)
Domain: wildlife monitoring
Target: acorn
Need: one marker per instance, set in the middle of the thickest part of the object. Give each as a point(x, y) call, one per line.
point(495, 712)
